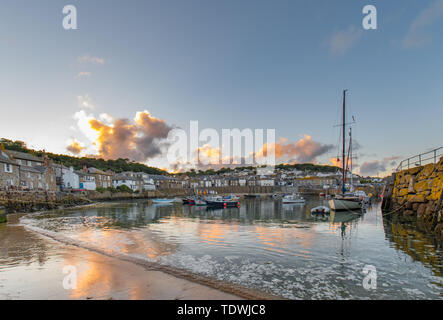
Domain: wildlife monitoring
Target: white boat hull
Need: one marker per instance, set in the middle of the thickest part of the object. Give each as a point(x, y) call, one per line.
point(293, 201)
point(162, 201)
point(340, 204)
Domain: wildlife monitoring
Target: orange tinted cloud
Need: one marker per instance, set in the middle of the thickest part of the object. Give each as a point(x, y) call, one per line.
point(304, 150)
point(75, 147)
point(120, 138)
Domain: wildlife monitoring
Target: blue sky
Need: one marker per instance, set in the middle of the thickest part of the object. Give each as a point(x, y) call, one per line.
point(228, 64)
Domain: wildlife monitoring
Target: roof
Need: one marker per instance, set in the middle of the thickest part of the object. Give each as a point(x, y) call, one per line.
point(30, 169)
point(82, 173)
point(23, 155)
point(98, 171)
point(4, 158)
point(124, 176)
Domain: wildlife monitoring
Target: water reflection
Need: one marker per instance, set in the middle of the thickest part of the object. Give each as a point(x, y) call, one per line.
point(264, 244)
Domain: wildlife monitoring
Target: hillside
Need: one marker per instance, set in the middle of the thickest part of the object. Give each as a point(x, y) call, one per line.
point(118, 165)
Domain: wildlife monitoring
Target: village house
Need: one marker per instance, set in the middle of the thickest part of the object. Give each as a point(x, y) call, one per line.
point(25, 159)
point(129, 179)
point(265, 181)
point(27, 172)
point(102, 179)
point(147, 182)
point(165, 182)
point(9, 172)
point(66, 178)
point(86, 180)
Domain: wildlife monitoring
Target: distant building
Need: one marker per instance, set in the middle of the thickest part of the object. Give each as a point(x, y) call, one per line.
point(9, 172)
point(66, 178)
point(129, 179)
point(146, 181)
point(103, 179)
point(24, 171)
point(86, 180)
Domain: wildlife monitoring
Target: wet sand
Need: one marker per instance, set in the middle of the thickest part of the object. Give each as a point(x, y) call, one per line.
point(32, 265)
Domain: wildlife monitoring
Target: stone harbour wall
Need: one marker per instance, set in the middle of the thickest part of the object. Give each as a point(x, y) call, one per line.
point(417, 193)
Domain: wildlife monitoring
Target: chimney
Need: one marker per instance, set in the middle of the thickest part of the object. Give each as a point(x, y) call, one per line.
point(45, 159)
point(85, 168)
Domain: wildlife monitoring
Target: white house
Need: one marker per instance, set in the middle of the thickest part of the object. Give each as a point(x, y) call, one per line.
point(86, 180)
point(129, 179)
point(66, 177)
point(147, 182)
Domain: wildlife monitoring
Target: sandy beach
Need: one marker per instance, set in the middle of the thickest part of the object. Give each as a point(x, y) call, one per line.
point(31, 267)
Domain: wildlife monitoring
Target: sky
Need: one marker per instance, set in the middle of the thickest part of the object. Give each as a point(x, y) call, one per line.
point(133, 70)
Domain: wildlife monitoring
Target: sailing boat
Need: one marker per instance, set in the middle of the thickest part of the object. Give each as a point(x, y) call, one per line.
point(345, 201)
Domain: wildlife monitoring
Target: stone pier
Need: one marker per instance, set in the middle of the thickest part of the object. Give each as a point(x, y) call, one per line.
point(416, 194)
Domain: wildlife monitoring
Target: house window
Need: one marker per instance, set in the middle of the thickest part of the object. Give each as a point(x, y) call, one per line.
point(8, 167)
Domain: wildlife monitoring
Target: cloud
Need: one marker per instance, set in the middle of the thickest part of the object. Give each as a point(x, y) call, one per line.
point(374, 167)
point(84, 74)
point(75, 147)
point(305, 149)
point(85, 102)
point(139, 140)
point(370, 168)
point(89, 59)
point(343, 40)
point(416, 36)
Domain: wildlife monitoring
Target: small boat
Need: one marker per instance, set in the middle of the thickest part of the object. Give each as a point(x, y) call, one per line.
point(231, 197)
point(220, 202)
point(320, 210)
point(162, 201)
point(200, 202)
point(251, 196)
point(187, 199)
point(293, 198)
point(347, 201)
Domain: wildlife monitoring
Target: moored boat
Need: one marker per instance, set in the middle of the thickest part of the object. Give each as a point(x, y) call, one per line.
point(293, 198)
point(220, 202)
point(320, 210)
point(162, 201)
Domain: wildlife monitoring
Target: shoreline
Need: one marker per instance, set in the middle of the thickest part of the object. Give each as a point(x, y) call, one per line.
point(176, 275)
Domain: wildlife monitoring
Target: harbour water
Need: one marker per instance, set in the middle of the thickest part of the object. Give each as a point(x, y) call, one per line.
point(264, 245)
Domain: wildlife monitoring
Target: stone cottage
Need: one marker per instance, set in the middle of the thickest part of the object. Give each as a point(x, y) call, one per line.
point(9, 172)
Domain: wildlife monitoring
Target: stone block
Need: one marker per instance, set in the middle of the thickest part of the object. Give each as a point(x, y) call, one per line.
point(422, 186)
point(421, 209)
point(403, 192)
point(414, 198)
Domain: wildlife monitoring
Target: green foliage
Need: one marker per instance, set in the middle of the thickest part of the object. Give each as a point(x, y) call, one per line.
point(309, 167)
point(110, 189)
point(117, 166)
point(299, 166)
point(124, 188)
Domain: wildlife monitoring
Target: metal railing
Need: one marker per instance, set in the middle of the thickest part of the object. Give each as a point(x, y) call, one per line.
point(421, 159)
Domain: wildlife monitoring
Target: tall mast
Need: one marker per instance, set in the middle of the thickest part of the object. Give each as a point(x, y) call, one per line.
point(344, 140)
point(350, 157)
